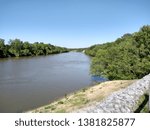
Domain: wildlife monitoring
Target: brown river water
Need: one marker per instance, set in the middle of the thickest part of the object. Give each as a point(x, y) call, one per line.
point(30, 82)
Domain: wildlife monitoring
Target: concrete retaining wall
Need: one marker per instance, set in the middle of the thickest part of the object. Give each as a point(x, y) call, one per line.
point(123, 101)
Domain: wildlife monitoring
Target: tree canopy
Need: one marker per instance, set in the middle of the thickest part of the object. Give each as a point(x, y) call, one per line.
point(126, 58)
point(18, 48)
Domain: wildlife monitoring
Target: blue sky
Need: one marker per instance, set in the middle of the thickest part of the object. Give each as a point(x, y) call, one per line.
point(71, 23)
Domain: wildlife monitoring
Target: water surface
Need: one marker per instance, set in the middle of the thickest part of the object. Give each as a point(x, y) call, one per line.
point(27, 83)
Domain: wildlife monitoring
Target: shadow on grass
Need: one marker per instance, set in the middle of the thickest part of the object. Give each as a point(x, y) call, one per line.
point(143, 104)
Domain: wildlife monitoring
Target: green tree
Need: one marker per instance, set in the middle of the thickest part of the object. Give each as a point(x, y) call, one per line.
point(15, 47)
point(2, 46)
point(26, 49)
point(126, 58)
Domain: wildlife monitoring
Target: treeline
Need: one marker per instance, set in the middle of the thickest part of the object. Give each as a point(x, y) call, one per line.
point(18, 48)
point(126, 58)
point(77, 49)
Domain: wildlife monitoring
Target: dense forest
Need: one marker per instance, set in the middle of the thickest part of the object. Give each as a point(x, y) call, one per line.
point(126, 58)
point(18, 48)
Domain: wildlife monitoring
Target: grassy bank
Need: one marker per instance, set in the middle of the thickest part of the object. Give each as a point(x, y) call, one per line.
point(84, 97)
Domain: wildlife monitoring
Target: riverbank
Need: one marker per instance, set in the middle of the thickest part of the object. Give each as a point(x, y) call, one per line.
point(83, 98)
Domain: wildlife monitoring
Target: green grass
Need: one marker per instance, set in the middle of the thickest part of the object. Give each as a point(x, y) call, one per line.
point(79, 99)
point(60, 102)
point(52, 107)
point(142, 105)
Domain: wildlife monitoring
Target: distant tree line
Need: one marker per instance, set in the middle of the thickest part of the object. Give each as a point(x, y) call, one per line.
point(18, 48)
point(126, 58)
point(77, 49)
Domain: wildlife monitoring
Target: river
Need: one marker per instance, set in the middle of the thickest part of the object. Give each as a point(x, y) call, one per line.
point(30, 82)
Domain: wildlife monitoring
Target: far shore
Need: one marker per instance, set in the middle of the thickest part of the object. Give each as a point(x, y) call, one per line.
point(84, 97)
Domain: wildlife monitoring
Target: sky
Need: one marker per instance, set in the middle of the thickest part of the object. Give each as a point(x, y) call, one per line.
point(71, 23)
